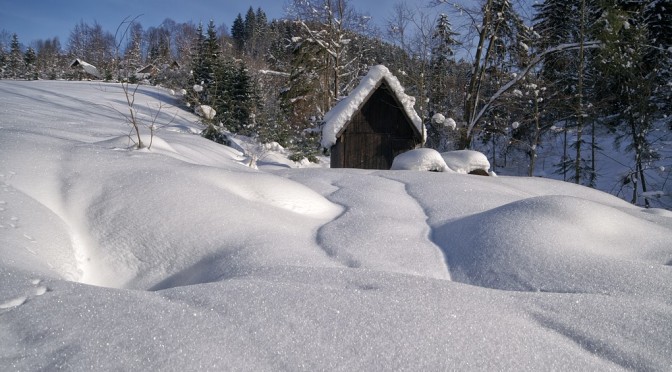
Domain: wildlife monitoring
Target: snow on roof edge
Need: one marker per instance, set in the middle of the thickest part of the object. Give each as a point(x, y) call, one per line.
point(87, 67)
point(339, 115)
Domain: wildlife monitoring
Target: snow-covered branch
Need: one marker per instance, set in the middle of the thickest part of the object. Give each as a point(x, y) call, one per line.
point(520, 76)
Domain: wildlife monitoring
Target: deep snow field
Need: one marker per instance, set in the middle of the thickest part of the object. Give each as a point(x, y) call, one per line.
point(181, 257)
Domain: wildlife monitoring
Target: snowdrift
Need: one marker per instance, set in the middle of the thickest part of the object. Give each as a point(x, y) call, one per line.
point(180, 257)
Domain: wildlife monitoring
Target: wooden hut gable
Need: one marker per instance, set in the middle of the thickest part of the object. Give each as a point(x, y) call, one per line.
point(373, 124)
point(337, 118)
point(146, 72)
point(86, 68)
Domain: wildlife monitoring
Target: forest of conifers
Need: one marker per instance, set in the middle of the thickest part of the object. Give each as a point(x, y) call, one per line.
point(514, 76)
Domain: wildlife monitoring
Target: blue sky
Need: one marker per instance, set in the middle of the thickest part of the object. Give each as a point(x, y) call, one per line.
point(43, 19)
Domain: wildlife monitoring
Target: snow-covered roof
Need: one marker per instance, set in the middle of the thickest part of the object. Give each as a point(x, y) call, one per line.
point(150, 68)
point(87, 67)
point(337, 118)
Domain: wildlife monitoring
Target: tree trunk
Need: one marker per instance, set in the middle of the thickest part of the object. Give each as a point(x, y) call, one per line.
point(580, 111)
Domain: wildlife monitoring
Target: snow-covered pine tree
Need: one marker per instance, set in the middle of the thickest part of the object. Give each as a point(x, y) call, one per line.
point(246, 101)
point(15, 61)
point(200, 71)
point(250, 25)
point(658, 18)
point(441, 83)
point(632, 76)
point(205, 65)
point(133, 51)
point(260, 43)
point(302, 102)
point(30, 61)
point(238, 33)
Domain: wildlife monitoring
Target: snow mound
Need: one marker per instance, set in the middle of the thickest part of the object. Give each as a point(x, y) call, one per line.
point(466, 161)
point(280, 193)
point(461, 161)
point(420, 160)
point(524, 246)
point(180, 258)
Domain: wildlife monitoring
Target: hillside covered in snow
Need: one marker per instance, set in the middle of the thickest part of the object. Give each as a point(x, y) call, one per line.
point(182, 257)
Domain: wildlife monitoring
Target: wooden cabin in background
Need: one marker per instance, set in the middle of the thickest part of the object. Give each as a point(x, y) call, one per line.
point(84, 70)
point(371, 126)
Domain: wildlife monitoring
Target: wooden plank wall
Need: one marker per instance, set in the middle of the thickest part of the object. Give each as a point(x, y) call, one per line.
point(375, 135)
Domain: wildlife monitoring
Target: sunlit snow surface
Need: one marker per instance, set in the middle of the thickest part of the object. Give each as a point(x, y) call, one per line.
point(182, 258)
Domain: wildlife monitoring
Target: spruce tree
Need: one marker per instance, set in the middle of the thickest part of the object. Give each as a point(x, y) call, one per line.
point(15, 64)
point(630, 80)
point(133, 52)
point(657, 15)
point(441, 70)
point(250, 25)
point(238, 33)
point(200, 72)
point(30, 61)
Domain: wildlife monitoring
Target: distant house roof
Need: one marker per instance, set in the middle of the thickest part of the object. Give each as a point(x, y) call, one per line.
point(149, 69)
point(337, 118)
point(86, 67)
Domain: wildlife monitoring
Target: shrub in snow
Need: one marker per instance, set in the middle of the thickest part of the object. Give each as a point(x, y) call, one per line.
point(216, 135)
point(206, 111)
point(450, 124)
point(420, 160)
point(466, 161)
point(274, 146)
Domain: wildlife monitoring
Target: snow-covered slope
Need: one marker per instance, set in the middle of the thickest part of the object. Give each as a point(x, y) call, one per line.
point(182, 258)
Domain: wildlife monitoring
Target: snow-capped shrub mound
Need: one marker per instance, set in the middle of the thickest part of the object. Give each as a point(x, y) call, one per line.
point(450, 123)
point(466, 161)
point(420, 160)
point(206, 111)
point(438, 119)
point(274, 146)
point(445, 122)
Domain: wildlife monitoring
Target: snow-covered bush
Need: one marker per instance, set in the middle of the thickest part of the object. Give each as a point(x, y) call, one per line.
point(206, 112)
point(466, 161)
point(442, 121)
point(420, 160)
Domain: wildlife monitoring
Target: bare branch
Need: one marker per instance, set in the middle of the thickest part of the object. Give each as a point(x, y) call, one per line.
point(521, 75)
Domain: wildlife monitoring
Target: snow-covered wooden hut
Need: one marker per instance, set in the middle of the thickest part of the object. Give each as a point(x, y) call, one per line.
point(86, 70)
point(146, 72)
point(373, 124)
